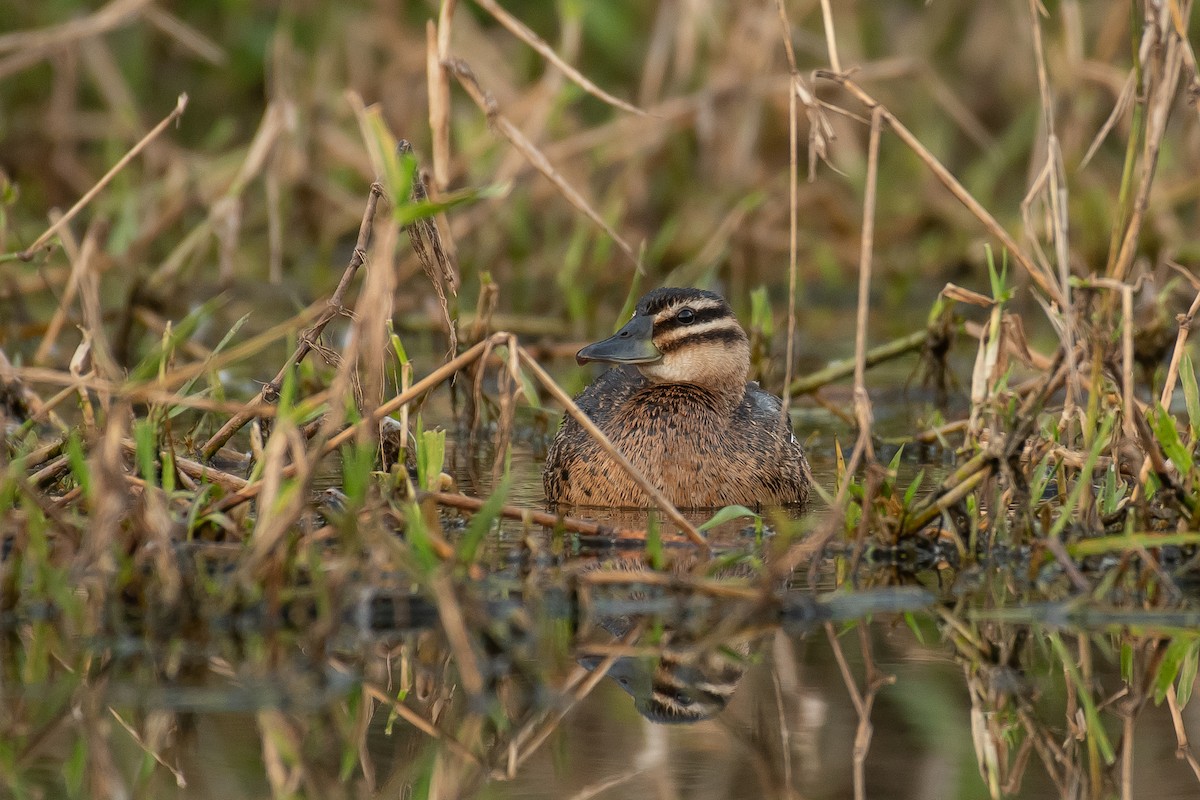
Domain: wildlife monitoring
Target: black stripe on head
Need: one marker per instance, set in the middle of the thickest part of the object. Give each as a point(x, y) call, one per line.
point(702, 315)
point(659, 299)
point(727, 336)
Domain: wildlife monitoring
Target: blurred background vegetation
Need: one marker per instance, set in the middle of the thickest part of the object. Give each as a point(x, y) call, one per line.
point(263, 181)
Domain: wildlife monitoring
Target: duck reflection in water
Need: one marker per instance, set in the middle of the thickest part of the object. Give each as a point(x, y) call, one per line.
point(678, 406)
point(681, 684)
point(689, 676)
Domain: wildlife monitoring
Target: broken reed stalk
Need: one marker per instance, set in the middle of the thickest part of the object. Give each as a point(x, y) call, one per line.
point(616, 455)
point(270, 391)
point(180, 104)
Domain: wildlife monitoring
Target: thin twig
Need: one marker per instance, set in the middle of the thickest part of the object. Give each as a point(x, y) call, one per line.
point(180, 104)
point(522, 32)
point(793, 208)
point(862, 401)
point(487, 104)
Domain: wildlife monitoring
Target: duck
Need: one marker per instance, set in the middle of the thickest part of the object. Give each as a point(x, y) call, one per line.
point(678, 405)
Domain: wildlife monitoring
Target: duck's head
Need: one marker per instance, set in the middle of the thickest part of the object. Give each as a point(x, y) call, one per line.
point(680, 336)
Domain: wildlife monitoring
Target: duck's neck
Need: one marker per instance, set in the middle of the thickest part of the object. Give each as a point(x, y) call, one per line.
point(720, 372)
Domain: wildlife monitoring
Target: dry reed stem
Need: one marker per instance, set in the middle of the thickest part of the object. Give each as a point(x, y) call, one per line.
point(953, 185)
point(1037, 360)
point(944, 500)
point(862, 401)
point(1159, 98)
point(13, 381)
point(1057, 202)
point(185, 35)
point(616, 455)
point(500, 123)
point(95, 338)
point(830, 39)
point(99, 22)
point(624, 775)
point(1183, 748)
point(137, 393)
point(156, 391)
point(437, 79)
point(334, 307)
point(426, 241)
point(192, 469)
point(793, 208)
point(454, 625)
point(442, 373)
point(60, 315)
point(149, 749)
point(528, 516)
point(522, 32)
point(1185, 326)
point(225, 214)
point(425, 726)
point(280, 506)
point(1070, 569)
point(863, 700)
point(180, 104)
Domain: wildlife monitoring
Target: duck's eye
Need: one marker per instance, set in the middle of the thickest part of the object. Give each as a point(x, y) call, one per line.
point(686, 316)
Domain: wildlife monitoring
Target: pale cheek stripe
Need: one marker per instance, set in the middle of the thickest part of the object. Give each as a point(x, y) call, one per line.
point(698, 330)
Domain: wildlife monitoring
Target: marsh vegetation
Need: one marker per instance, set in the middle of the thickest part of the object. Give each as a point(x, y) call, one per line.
point(288, 300)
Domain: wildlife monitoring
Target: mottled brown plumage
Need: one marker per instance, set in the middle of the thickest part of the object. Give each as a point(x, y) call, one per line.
point(679, 407)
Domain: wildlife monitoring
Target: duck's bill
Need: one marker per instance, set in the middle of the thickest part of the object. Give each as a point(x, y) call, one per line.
point(631, 345)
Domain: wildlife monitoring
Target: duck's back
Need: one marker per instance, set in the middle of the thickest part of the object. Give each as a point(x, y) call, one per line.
point(695, 449)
